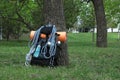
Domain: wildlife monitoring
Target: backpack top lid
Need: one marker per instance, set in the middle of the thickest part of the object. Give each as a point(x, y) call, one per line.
point(47, 29)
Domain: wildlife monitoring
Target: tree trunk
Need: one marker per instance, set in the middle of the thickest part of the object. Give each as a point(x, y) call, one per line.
point(93, 34)
point(118, 34)
point(8, 34)
point(53, 13)
point(101, 23)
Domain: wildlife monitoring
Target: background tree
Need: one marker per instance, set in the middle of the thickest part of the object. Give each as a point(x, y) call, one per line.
point(54, 13)
point(19, 14)
point(74, 8)
point(71, 10)
point(101, 40)
point(101, 23)
point(87, 16)
point(112, 13)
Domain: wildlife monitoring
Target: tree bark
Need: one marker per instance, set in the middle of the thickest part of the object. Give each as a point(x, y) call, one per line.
point(101, 23)
point(53, 13)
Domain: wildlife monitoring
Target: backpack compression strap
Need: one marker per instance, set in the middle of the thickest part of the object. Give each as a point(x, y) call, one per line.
point(33, 46)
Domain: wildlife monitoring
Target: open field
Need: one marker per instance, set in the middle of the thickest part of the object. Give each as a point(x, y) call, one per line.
point(87, 62)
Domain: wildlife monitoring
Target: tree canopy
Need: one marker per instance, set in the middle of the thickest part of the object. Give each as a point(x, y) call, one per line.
point(18, 16)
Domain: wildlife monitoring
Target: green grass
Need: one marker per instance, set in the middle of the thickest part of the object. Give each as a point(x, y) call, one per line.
point(87, 62)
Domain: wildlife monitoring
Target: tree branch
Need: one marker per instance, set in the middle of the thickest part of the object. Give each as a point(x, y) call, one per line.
point(19, 19)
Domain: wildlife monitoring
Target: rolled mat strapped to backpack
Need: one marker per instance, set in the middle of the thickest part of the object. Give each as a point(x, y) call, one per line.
point(61, 37)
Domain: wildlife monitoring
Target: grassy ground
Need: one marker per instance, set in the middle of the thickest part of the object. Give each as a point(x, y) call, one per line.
point(87, 62)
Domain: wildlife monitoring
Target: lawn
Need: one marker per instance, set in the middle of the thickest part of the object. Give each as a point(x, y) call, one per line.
point(87, 62)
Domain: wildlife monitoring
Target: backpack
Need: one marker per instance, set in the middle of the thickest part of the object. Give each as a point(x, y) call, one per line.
point(44, 47)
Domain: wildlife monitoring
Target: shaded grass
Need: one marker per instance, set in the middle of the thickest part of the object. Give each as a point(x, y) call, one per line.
point(87, 62)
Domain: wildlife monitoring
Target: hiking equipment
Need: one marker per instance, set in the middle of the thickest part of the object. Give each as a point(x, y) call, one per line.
point(61, 36)
point(45, 42)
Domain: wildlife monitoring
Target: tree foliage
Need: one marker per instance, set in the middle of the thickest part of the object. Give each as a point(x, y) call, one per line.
point(25, 15)
point(112, 8)
point(71, 9)
point(17, 16)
